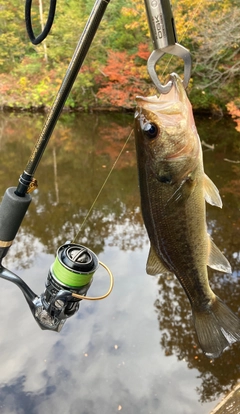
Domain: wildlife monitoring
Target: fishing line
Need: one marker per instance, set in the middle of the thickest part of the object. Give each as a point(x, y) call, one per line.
point(103, 185)
point(92, 298)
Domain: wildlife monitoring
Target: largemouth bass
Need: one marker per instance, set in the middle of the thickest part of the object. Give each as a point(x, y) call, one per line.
point(173, 188)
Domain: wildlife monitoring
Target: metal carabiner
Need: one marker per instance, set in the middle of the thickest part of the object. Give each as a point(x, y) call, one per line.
point(164, 38)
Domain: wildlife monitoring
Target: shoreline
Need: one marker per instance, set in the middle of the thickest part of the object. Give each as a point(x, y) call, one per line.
point(105, 109)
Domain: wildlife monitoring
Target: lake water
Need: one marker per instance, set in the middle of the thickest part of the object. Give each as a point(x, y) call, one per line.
point(136, 351)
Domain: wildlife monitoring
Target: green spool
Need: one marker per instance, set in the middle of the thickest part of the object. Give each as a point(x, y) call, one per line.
point(72, 273)
point(68, 277)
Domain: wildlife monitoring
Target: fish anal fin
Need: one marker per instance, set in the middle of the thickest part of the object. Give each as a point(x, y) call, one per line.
point(211, 192)
point(154, 264)
point(216, 260)
point(217, 327)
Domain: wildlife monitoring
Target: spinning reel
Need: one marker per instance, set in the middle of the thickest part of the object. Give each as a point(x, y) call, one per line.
point(69, 277)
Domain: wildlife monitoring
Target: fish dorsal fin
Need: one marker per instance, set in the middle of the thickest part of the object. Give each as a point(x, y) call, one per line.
point(216, 260)
point(154, 265)
point(211, 192)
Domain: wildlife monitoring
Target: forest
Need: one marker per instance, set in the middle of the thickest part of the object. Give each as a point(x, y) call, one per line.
point(115, 71)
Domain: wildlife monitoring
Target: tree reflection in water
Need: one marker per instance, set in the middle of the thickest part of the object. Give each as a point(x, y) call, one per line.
point(70, 175)
point(178, 338)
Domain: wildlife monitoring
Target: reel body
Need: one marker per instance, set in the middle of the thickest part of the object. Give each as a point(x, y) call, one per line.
point(71, 272)
point(67, 283)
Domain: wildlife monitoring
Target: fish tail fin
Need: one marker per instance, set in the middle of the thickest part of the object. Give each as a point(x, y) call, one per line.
point(217, 327)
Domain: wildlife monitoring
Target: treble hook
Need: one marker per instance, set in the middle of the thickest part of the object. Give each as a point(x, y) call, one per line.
point(164, 38)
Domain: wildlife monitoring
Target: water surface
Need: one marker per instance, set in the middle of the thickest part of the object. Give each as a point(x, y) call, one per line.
point(136, 351)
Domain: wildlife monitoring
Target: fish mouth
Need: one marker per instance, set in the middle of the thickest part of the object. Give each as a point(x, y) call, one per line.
point(169, 110)
point(172, 102)
point(172, 114)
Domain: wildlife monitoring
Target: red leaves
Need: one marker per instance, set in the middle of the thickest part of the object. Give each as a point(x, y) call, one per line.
point(117, 66)
point(143, 51)
point(124, 78)
point(234, 110)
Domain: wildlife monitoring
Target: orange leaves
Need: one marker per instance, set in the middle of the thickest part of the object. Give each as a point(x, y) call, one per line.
point(124, 77)
point(113, 95)
point(117, 66)
point(116, 74)
point(5, 82)
point(234, 110)
point(143, 51)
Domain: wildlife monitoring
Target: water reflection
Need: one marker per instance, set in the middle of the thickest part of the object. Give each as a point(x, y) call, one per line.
point(114, 337)
point(14, 391)
point(178, 337)
point(59, 210)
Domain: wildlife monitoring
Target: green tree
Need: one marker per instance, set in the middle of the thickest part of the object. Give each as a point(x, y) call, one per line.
point(12, 34)
point(28, 81)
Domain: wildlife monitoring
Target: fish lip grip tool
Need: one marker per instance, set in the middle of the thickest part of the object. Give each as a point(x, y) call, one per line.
point(164, 38)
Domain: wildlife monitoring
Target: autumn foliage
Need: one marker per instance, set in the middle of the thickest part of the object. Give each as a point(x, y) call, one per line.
point(123, 77)
point(234, 110)
point(114, 70)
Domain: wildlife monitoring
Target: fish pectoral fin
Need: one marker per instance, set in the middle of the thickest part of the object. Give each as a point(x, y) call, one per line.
point(184, 190)
point(211, 192)
point(154, 264)
point(216, 260)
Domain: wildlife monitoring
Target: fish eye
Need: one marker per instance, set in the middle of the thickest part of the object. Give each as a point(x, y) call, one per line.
point(150, 130)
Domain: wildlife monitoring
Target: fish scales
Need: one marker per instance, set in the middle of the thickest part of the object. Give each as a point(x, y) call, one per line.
point(173, 189)
point(185, 237)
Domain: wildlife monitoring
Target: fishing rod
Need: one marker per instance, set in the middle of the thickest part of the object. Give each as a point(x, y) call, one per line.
point(71, 274)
